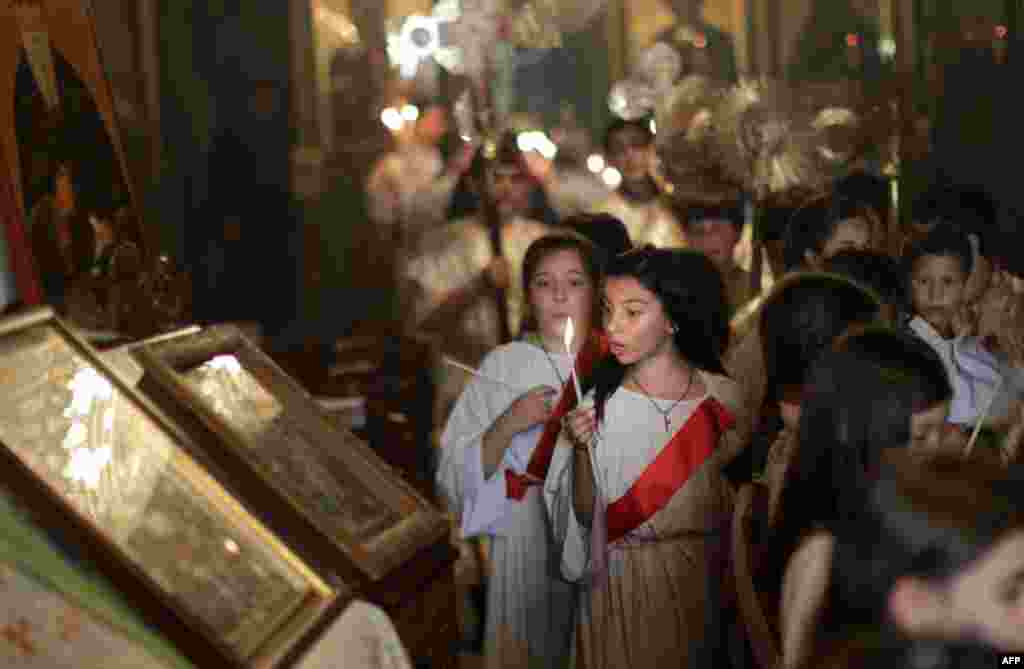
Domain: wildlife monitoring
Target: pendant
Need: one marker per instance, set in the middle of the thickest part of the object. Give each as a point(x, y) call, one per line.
point(668, 422)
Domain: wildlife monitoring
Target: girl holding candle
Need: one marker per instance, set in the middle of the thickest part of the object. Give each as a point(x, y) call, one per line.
point(497, 445)
point(657, 434)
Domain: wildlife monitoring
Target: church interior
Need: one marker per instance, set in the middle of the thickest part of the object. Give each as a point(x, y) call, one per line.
point(294, 266)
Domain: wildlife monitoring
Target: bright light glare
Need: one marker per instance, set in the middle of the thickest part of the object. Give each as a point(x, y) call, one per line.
point(391, 119)
point(887, 47)
point(228, 363)
point(618, 103)
point(535, 140)
point(420, 35)
point(611, 177)
point(87, 385)
point(86, 465)
point(410, 113)
point(595, 163)
point(654, 127)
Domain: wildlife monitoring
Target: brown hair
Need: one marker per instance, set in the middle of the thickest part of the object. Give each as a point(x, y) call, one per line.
point(549, 245)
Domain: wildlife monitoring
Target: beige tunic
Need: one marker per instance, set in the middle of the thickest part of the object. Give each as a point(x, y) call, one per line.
point(657, 604)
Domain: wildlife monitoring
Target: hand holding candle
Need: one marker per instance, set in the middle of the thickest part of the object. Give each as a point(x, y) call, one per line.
point(568, 336)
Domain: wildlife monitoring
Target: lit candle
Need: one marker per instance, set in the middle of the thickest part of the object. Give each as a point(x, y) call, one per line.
point(570, 334)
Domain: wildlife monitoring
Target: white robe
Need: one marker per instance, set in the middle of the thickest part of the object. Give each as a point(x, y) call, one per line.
point(975, 375)
point(657, 604)
point(529, 608)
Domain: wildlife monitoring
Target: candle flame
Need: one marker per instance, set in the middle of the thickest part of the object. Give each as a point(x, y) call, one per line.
point(570, 334)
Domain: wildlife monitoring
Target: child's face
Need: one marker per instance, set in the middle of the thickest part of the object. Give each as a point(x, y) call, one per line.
point(631, 152)
point(937, 286)
point(714, 238)
point(510, 187)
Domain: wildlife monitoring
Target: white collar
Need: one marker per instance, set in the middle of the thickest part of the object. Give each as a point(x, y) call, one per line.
point(927, 331)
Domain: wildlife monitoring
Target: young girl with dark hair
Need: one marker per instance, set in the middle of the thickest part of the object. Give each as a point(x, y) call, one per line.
point(933, 562)
point(879, 387)
point(498, 443)
point(798, 321)
point(801, 319)
point(636, 499)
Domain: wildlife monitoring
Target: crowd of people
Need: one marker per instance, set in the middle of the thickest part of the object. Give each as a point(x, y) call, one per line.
point(631, 378)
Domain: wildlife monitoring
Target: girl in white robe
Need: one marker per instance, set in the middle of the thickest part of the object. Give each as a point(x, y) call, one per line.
point(639, 506)
point(495, 450)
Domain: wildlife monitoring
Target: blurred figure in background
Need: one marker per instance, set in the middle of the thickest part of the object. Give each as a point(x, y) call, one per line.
point(459, 279)
point(629, 148)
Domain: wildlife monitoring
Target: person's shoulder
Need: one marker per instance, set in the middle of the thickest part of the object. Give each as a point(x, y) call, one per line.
point(724, 389)
point(513, 355)
point(517, 349)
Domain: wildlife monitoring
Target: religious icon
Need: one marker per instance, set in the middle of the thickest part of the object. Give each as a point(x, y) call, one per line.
point(101, 452)
point(268, 428)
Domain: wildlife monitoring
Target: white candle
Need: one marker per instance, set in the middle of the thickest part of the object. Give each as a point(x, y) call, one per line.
point(570, 333)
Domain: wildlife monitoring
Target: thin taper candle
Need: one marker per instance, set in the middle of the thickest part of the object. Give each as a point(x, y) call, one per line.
point(982, 417)
point(476, 372)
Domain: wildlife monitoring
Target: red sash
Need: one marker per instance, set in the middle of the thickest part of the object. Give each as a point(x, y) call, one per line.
point(516, 485)
point(688, 449)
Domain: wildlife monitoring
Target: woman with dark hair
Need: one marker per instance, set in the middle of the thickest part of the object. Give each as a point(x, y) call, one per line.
point(636, 499)
point(878, 388)
point(498, 442)
point(800, 320)
point(797, 321)
point(931, 564)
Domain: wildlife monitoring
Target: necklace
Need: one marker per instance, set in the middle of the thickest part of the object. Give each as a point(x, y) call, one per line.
point(665, 414)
